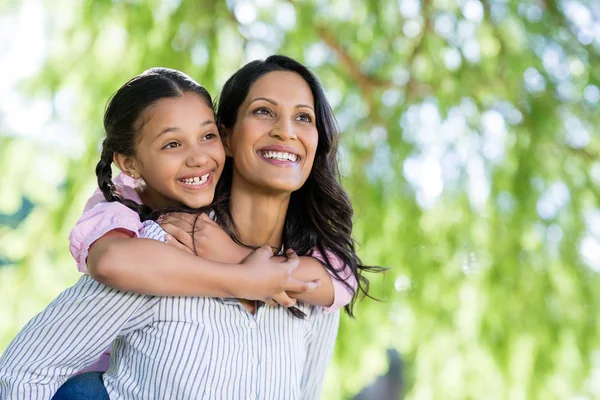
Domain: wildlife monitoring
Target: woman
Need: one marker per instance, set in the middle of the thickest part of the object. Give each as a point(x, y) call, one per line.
point(277, 124)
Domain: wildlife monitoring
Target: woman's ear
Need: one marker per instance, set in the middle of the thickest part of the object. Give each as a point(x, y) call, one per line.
point(128, 165)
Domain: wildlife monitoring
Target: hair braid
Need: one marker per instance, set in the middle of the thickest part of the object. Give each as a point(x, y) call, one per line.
point(104, 174)
point(106, 185)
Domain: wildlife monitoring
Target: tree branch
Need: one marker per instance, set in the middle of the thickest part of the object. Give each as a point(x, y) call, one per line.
point(365, 81)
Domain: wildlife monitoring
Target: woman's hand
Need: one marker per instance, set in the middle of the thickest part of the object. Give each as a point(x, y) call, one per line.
point(210, 241)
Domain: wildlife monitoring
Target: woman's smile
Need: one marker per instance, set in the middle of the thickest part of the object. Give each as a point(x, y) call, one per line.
point(274, 140)
point(284, 156)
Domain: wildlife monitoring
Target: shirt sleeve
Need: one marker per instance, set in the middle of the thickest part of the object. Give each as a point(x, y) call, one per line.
point(96, 222)
point(69, 334)
point(342, 295)
point(321, 342)
point(150, 230)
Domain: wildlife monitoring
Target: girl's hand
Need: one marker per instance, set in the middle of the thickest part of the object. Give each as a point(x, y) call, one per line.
point(268, 279)
point(210, 241)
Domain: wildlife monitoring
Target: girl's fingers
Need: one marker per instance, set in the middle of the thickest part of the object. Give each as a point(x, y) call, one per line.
point(294, 285)
point(204, 217)
point(175, 243)
point(181, 235)
point(292, 262)
point(284, 300)
point(184, 221)
point(271, 302)
point(291, 254)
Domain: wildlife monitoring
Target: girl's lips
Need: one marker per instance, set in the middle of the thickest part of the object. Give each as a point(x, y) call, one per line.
point(197, 182)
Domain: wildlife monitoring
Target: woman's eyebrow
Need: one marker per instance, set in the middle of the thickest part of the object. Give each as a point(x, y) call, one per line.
point(276, 104)
point(265, 99)
point(304, 106)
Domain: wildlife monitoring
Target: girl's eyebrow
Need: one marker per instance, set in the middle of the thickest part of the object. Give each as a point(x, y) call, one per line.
point(176, 128)
point(276, 104)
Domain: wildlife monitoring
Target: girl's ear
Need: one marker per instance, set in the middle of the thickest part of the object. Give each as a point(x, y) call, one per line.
point(128, 165)
point(226, 137)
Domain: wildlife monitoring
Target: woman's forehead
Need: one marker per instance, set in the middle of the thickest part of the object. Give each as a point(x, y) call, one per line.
point(282, 86)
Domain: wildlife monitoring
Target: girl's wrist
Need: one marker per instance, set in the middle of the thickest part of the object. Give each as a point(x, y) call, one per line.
point(240, 254)
point(236, 280)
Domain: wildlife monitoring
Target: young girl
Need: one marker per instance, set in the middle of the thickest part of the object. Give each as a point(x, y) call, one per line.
point(131, 322)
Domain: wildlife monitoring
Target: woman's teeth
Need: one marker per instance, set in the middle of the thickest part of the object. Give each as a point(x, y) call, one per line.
point(197, 180)
point(279, 155)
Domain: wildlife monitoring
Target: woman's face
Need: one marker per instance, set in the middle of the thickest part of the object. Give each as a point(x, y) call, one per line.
point(274, 140)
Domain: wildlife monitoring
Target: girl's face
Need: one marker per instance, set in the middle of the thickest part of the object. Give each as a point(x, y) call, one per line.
point(274, 140)
point(179, 153)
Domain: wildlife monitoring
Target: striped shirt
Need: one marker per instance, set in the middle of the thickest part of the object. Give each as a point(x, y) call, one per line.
point(170, 347)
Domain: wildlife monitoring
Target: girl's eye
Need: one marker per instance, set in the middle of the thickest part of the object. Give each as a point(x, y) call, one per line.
point(171, 145)
point(210, 136)
point(305, 118)
point(263, 111)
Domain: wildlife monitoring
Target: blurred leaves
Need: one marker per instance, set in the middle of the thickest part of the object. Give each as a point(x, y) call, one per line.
point(469, 146)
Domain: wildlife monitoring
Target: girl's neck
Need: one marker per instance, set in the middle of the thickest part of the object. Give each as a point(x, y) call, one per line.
point(153, 199)
point(150, 200)
point(259, 216)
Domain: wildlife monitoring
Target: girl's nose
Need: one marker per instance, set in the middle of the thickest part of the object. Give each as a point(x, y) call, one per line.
point(197, 158)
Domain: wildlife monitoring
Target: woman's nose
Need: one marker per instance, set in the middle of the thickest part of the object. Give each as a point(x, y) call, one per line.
point(283, 130)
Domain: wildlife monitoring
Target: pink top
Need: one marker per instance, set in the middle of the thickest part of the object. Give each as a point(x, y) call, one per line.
point(100, 217)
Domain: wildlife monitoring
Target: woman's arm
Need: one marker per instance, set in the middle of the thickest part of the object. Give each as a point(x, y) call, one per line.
point(68, 335)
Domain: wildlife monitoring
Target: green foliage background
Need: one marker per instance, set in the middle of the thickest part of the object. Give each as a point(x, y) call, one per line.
point(470, 148)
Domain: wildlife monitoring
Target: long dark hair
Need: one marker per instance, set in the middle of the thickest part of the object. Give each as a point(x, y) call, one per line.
point(320, 213)
point(122, 123)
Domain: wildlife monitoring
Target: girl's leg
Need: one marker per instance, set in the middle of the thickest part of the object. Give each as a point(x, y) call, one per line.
point(88, 386)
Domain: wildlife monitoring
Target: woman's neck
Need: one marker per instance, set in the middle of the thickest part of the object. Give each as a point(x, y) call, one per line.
point(259, 217)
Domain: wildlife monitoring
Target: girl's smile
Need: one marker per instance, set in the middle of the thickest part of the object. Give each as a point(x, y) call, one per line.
point(198, 181)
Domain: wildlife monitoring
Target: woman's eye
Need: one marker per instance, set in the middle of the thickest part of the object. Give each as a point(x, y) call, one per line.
point(263, 111)
point(305, 118)
point(171, 145)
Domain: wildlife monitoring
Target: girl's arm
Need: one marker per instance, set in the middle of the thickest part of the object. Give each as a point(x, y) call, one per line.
point(102, 245)
point(211, 242)
point(68, 335)
point(151, 267)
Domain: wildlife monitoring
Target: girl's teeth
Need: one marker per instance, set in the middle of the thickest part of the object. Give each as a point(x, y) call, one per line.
point(197, 180)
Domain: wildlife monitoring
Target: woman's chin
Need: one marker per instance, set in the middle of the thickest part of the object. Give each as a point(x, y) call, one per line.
point(283, 187)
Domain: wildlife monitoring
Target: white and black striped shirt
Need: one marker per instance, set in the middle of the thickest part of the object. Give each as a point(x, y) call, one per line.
point(170, 347)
